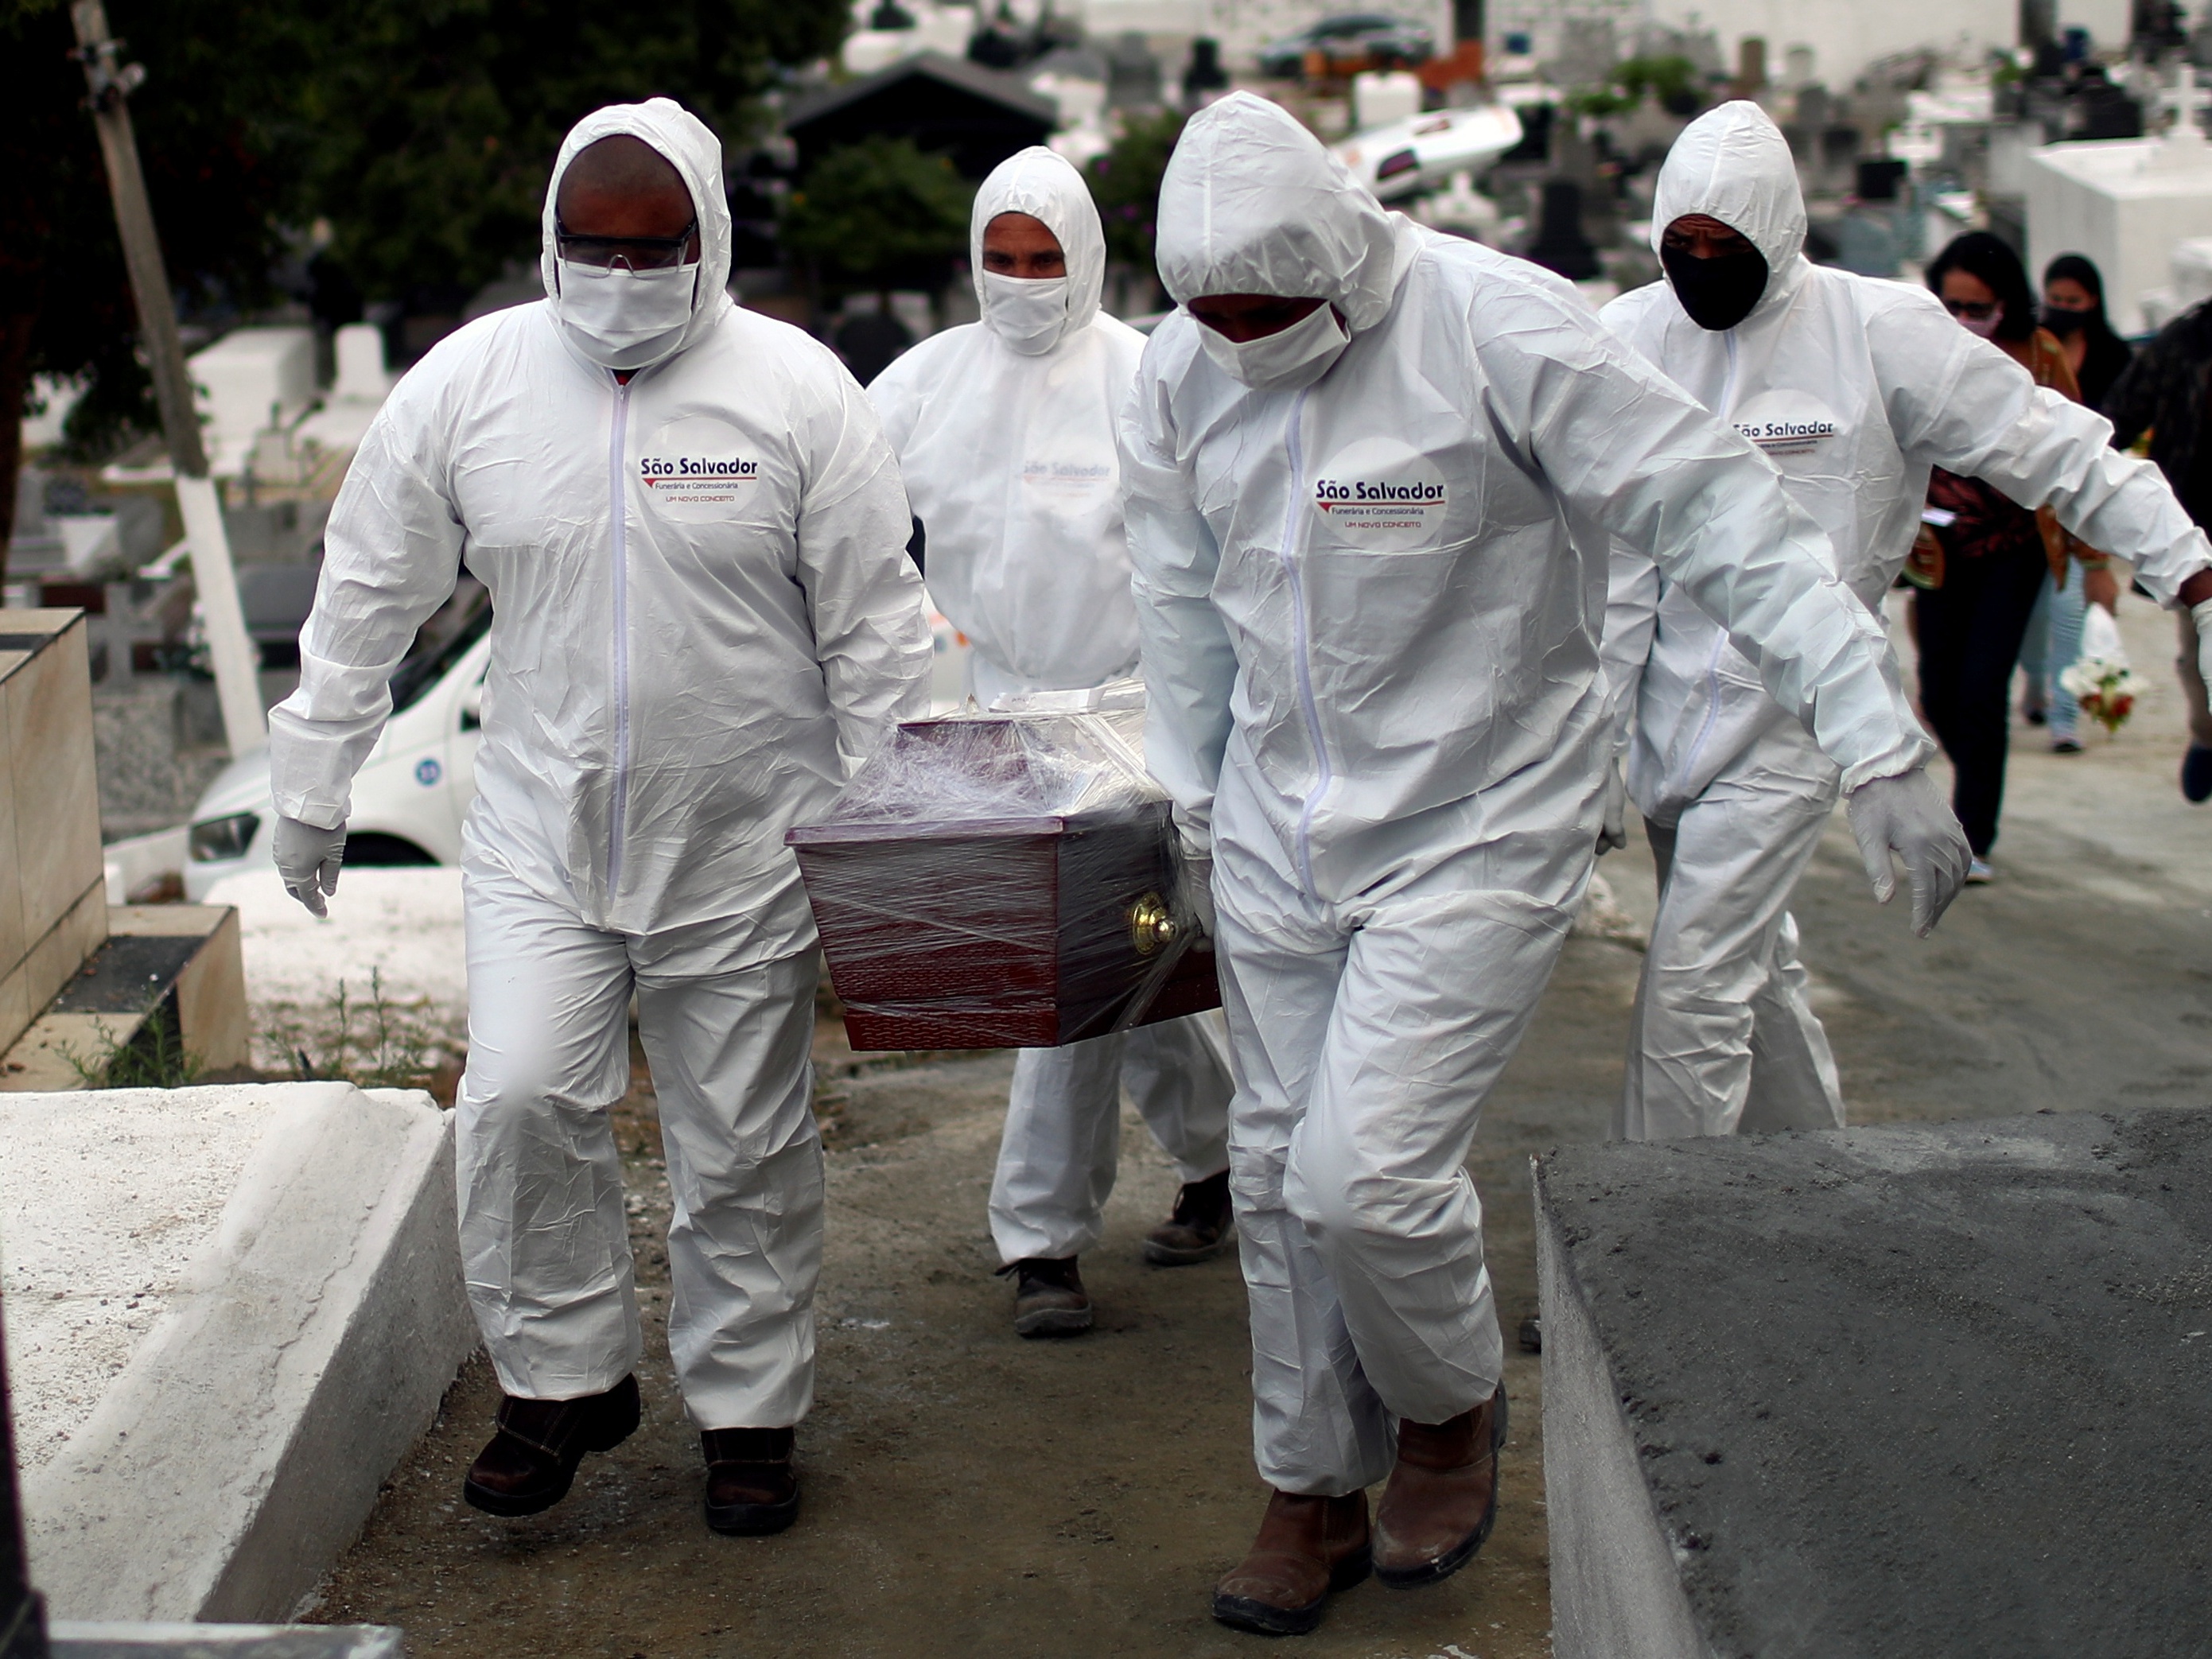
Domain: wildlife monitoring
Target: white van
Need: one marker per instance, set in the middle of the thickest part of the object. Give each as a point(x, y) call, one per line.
point(409, 797)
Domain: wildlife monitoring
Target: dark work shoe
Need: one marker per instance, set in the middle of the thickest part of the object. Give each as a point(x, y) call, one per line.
point(1049, 1299)
point(1308, 1549)
point(1442, 1501)
point(750, 1489)
point(532, 1460)
point(2197, 773)
point(1203, 1225)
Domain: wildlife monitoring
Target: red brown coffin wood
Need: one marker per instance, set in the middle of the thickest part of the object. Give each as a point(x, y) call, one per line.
point(1025, 930)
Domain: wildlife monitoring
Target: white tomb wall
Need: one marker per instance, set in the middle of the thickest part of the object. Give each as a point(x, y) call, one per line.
point(2107, 201)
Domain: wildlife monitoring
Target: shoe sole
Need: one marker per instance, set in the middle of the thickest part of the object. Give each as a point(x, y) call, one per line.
point(1166, 1256)
point(1264, 1618)
point(1435, 1572)
point(510, 1507)
point(752, 1520)
point(1053, 1322)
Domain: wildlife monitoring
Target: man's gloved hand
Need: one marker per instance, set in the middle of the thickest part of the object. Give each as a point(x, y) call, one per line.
point(1198, 884)
point(1907, 815)
point(2201, 614)
point(307, 859)
point(1612, 832)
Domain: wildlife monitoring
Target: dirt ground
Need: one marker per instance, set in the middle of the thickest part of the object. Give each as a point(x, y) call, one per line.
point(968, 1492)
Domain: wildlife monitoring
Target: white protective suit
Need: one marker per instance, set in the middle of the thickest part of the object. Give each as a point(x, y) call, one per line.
point(1008, 451)
point(704, 617)
point(1371, 621)
point(1854, 388)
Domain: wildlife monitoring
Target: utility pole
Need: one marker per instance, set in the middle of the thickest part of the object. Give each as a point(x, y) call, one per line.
point(237, 664)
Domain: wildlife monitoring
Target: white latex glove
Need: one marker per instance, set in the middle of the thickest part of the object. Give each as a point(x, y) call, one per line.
point(2201, 614)
point(307, 859)
point(1908, 816)
point(1198, 884)
point(1612, 833)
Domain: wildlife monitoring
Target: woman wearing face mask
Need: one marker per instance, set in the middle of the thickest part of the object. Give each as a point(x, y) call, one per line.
point(1981, 562)
point(2073, 313)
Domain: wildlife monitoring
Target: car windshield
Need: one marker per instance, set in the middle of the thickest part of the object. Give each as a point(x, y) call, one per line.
point(1357, 25)
point(442, 642)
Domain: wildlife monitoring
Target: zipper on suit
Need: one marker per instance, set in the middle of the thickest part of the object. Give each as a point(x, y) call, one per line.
point(1295, 449)
point(1713, 659)
point(618, 521)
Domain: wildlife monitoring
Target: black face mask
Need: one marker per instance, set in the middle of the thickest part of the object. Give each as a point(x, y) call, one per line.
point(1717, 293)
point(2063, 322)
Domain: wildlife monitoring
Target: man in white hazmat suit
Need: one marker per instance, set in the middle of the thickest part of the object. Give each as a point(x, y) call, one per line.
point(1005, 434)
point(1364, 464)
point(694, 536)
point(1853, 388)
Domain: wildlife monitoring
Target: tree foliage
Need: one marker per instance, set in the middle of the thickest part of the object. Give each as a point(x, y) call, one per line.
point(422, 130)
point(1124, 183)
point(428, 127)
point(878, 214)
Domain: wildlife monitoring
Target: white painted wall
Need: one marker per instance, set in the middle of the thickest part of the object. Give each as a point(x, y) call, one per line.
point(1846, 35)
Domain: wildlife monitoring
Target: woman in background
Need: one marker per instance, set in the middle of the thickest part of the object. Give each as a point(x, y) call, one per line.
point(1981, 562)
point(2073, 313)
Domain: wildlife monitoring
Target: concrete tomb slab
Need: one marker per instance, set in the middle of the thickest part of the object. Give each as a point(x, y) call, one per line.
point(1906, 1390)
point(230, 1311)
point(109, 1641)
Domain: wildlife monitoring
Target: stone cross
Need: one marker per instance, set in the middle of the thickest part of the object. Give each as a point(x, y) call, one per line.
point(2182, 101)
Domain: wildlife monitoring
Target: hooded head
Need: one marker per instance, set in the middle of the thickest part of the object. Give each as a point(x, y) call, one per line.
point(684, 141)
point(1251, 204)
point(1734, 165)
point(1047, 187)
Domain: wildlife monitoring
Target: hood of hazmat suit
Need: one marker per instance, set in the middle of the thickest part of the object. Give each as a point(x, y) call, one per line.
point(1853, 387)
point(1477, 430)
point(704, 616)
point(1005, 434)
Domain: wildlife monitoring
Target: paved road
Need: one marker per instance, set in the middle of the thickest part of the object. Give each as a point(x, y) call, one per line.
point(970, 1493)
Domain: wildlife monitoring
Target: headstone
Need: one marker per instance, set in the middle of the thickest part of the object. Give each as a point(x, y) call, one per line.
point(1132, 74)
point(1381, 97)
point(249, 380)
point(2124, 205)
point(1560, 245)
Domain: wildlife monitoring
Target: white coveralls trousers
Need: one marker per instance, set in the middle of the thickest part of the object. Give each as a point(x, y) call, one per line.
point(1062, 1143)
point(1723, 1039)
point(1370, 1034)
point(544, 1241)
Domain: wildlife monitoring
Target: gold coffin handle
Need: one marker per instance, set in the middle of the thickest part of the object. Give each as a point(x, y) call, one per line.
point(1152, 925)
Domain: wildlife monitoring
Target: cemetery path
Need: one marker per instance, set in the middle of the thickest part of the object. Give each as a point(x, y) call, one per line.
point(970, 1492)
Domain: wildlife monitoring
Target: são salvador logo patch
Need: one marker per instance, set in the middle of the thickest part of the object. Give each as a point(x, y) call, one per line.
point(698, 469)
point(1784, 423)
point(1380, 492)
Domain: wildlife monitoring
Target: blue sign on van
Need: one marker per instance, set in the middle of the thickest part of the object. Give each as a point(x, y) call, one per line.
point(428, 772)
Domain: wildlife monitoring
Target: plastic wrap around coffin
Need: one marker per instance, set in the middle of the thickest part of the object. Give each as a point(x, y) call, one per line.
point(1003, 881)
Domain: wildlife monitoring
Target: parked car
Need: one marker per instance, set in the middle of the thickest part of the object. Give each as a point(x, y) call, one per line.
point(1412, 155)
point(409, 797)
point(1354, 40)
point(411, 794)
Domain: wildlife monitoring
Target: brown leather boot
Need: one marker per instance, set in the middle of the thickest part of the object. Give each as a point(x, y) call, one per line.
point(1202, 1227)
point(1442, 1500)
point(531, 1461)
point(751, 1490)
point(1308, 1548)
point(1049, 1299)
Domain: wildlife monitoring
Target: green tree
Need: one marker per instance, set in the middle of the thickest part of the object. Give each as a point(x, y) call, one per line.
point(207, 118)
point(879, 214)
point(428, 127)
point(1124, 183)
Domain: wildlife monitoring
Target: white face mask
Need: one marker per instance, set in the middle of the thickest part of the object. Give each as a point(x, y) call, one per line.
point(1983, 327)
point(1028, 316)
point(625, 319)
point(1297, 356)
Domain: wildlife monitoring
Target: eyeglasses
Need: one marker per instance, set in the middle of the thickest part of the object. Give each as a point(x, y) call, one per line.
point(634, 252)
point(1980, 314)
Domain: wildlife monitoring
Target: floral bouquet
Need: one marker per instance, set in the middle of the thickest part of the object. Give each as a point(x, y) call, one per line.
point(2100, 679)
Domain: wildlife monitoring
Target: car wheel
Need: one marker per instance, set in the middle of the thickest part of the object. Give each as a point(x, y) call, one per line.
point(373, 850)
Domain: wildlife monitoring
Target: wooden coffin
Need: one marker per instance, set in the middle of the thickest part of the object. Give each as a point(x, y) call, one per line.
point(957, 911)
